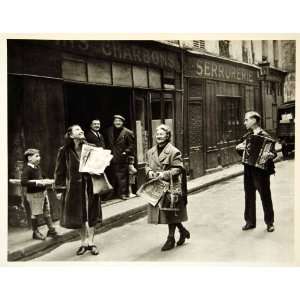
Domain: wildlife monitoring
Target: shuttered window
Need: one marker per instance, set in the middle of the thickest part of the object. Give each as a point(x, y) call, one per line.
point(199, 44)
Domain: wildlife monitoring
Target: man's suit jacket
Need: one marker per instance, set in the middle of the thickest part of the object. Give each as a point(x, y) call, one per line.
point(124, 143)
point(92, 138)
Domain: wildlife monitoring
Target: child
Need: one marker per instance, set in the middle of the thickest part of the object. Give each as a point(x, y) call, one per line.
point(36, 194)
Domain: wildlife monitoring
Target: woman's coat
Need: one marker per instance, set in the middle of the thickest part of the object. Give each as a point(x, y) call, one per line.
point(170, 163)
point(78, 201)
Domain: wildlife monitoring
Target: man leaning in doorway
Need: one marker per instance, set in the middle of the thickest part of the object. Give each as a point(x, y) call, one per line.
point(120, 140)
point(256, 178)
point(93, 135)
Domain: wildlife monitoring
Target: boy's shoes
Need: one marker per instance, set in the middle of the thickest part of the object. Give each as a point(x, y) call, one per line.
point(53, 233)
point(38, 236)
point(270, 228)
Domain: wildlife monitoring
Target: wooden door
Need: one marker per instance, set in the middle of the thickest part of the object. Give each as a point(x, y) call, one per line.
point(195, 126)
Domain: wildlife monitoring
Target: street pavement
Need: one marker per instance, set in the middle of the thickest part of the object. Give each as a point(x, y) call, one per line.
point(215, 222)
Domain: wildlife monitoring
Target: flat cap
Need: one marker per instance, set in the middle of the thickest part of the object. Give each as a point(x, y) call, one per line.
point(31, 151)
point(119, 117)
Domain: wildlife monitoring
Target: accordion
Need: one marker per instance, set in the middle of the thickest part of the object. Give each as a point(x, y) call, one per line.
point(256, 149)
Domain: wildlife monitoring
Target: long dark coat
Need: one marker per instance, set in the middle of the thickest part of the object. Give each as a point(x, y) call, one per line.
point(124, 143)
point(79, 204)
point(170, 163)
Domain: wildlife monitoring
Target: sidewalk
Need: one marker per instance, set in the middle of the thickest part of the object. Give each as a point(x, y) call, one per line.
point(21, 246)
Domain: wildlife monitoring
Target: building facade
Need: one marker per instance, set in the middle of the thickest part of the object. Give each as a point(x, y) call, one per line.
point(201, 89)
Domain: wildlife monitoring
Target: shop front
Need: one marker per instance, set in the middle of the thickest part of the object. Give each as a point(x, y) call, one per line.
point(217, 94)
point(54, 84)
point(272, 86)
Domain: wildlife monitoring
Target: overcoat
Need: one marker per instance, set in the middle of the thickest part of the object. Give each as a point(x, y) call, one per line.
point(169, 162)
point(92, 138)
point(123, 143)
point(79, 204)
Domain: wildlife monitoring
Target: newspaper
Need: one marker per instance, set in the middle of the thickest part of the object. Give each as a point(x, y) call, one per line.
point(94, 160)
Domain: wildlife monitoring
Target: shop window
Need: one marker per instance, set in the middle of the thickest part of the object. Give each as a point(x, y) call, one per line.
point(141, 128)
point(156, 113)
point(122, 74)
point(74, 70)
point(230, 119)
point(154, 78)
point(168, 113)
point(162, 112)
point(169, 80)
point(224, 48)
point(140, 76)
point(100, 72)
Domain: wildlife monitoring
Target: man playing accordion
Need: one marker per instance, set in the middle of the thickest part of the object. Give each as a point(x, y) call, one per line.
point(258, 151)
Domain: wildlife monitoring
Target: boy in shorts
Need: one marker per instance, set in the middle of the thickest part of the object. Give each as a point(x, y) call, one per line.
point(36, 194)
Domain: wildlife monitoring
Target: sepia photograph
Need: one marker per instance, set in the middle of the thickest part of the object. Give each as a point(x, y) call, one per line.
point(151, 150)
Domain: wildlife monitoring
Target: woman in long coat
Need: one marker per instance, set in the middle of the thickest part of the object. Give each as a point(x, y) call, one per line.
point(81, 208)
point(164, 161)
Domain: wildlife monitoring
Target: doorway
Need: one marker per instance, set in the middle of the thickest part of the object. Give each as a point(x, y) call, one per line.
point(84, 103)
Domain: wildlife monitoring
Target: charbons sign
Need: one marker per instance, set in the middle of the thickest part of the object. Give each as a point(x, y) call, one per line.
point(201, 67)
point(124, 51)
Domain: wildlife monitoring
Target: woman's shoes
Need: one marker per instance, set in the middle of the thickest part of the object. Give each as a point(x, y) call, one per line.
point(93, 249)
point(82, 249)
point(169, 244)
point(184, 234)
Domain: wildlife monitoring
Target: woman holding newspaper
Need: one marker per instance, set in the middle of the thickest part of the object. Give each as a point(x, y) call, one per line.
point(164, 165)
point(78, 188)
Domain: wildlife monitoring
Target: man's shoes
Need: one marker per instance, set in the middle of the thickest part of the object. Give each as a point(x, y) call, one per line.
point(53, 233)
point(270, 228)
point(82, 249)
point(184, 234)
point(93, 249)
point(124, 197)
point(38, 235)
point(169, 244)
point(248, 226)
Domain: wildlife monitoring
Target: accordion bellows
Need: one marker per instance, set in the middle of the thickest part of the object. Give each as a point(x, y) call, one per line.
point(256, 149)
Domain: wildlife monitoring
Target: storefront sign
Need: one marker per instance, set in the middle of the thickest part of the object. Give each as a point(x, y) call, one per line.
point(201, 67)
point(124, 51)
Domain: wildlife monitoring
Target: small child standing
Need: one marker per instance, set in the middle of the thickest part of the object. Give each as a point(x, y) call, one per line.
point(36, 194)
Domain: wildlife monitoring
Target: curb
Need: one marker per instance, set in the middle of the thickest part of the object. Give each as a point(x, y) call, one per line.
point(117, 220)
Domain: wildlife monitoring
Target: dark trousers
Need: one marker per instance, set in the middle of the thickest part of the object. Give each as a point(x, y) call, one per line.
point(120, 178)
point(257, 180)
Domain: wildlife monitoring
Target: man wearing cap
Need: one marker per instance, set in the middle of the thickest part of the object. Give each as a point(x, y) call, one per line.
point(93, 136)
point(256, 179)
point(120, 140)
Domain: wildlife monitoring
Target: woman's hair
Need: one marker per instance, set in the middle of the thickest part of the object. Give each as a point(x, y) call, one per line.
point(165, 128)
point(68, 139)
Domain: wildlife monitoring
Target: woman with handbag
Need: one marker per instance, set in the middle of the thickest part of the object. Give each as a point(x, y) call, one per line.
point(164, 162)
point(81, 205)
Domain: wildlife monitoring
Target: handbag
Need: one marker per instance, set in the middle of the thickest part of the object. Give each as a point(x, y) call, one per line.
point(101, 185)
point(171, 198)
